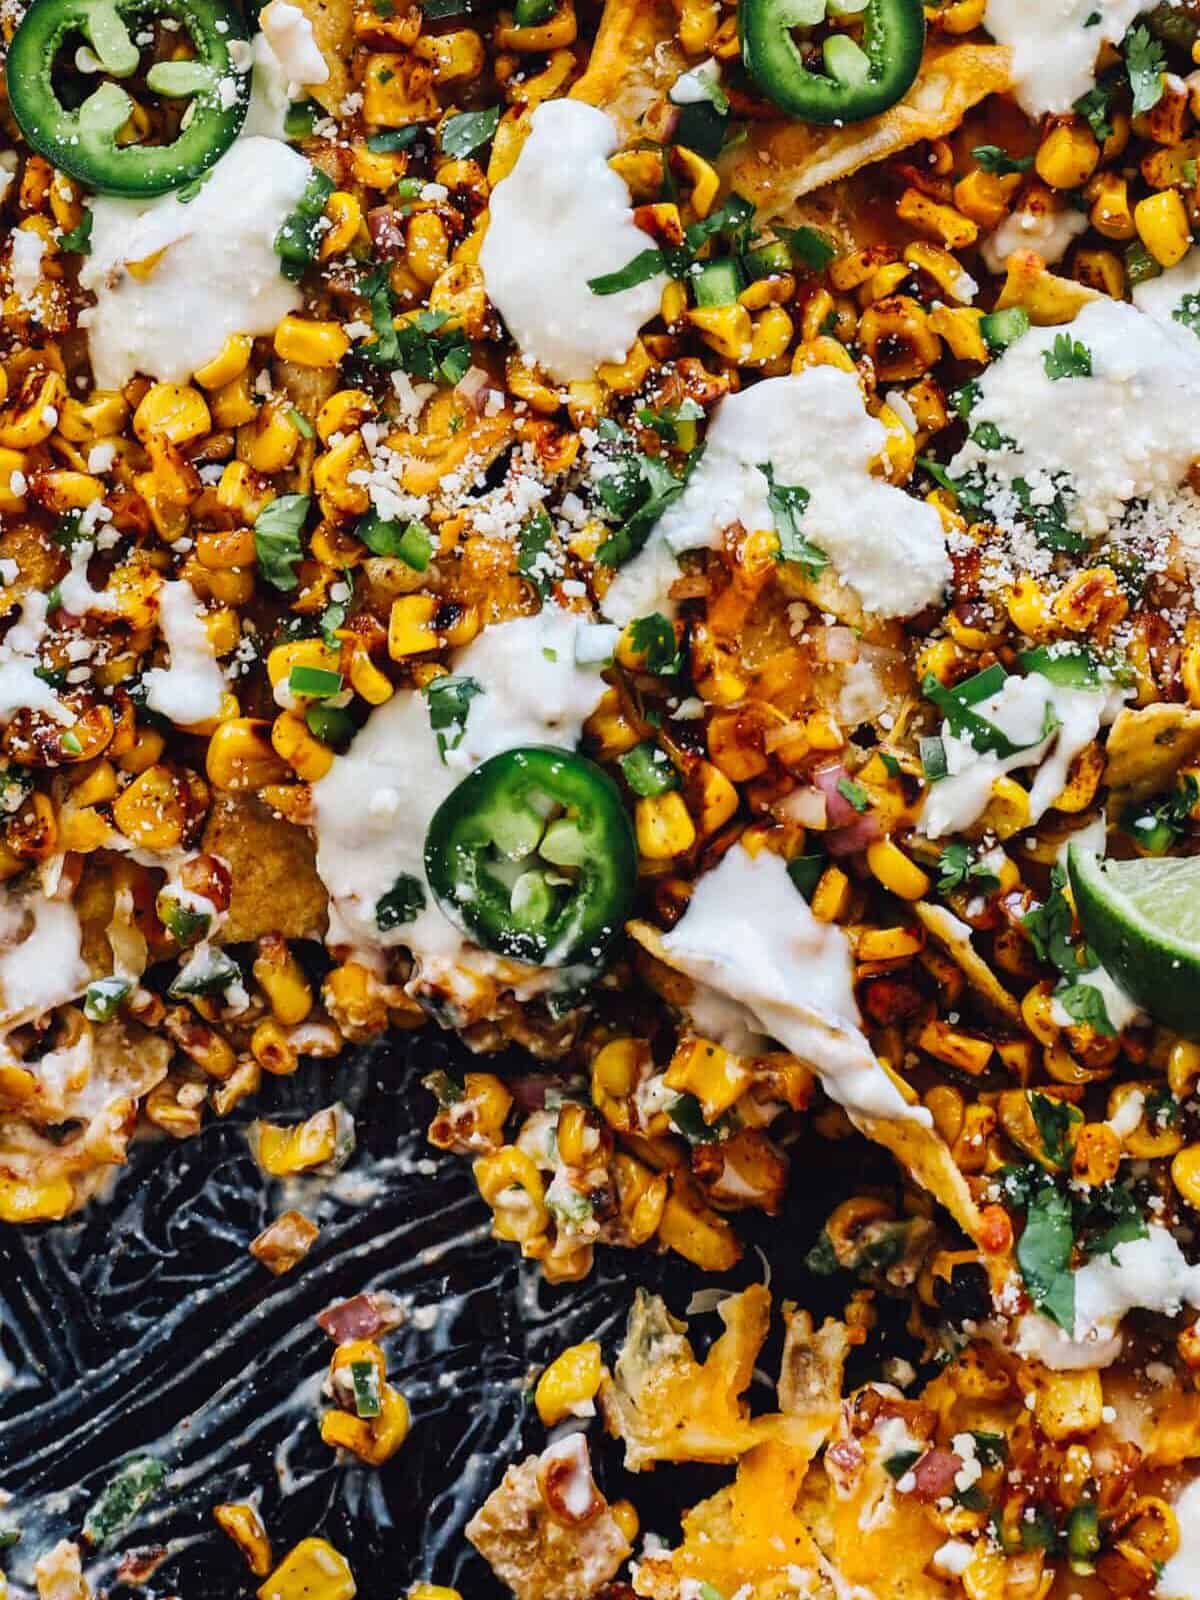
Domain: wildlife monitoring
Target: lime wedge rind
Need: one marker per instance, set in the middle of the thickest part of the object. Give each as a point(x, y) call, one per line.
point(1142, 920)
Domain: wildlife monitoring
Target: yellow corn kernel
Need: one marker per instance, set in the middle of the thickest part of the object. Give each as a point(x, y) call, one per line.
point(103, 415)
point(896, 872)
point(831, 897)
point(149, 811)
point(304, 753)
point(694, 1231)
point(146, 749)
point(60, 492)
point(726, 329)
point(1102, 270)
point(310, 343)
point(269, 443)
point(713, 1074)
point(716, 798)
point(961, 16)
point(510, 1183)
point(32, 414)
point(1029, 609)
point(771, 336)
point(942, 222)
point(230, 361)
point(312, 1570)
point(625, 377)
point(283, 1152)
point(438, 1591)
point(704, 180)
point(822, 352)
point(1067, 156)
point(345, 218)
point(945, 1043)
point(568, 1385)
point(273, 1050)
point(11, 461)
point(1163, 227)
point(556, 33)
point(1083, 780)
point(1183, 1068)
point(240, 756)
point(1008, 809)
point(889, 944)
point(299, 653)
point(1185, 1174)
point(343, 412)
point(664, 826)
point(411, 629)
point(984, 197)
point(37, 1200)
point(1111, 214)
point(1068, 1403)
point(244, 1526)
point(947, 272)
point(959, 326)
point(427, 253)
point(234, 403)
point(282, 978)
point(367, 680)
point(174, 411)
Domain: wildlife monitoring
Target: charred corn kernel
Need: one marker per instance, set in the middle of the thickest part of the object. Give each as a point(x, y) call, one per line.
point(851, 271)
point(1111, 214)
point(281, 977)
point(527, 384)
point(1163, 227)
point(961, 16)
point(12, 463)
point(219, 549)
point(694, 1231)
point(959, 326)
point(625, 1516)
point(343, 412)
point(96, 787)
point(615, 1073)
point(103, 415)
point(883, 283)
point(269, 443)
point(1028, 607)
point(716, 1076)
point(149, 812)
point(373, 1441)
point(625, 377)
point(945, 1043)
point(1067, 156)
point(38, 1200)
point(664, 826)
point(244, 1526)
point(333, 471)
point(230, 361)
point(510, 1183)
point(1083, 780)
point(947, 272)
point(1007, 810)
point(771, 336)
point(822, 352)
point(897, 335)
point(896, 872)
point(305, 754)
point(716, 798)
point(942, 222)
point(556, 33)
point(463, 627)
point(174, 411)
point(32, 414)
point(1068, 1403)
point(831, 897)
point(428, 250)
point(273, 1050)
point(367, 680)
point(240, 756)
point(569, 1384)
point(147, 748)
point(411, 629)
point(725, 329)
point(345, 218)
point(397, 89)
point(947, 1107)
point(61, 492)
point(312, 1570)
point(310, 343)
point(1097, 1157)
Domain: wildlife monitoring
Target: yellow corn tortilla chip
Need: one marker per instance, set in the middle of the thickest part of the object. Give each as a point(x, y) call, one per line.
point(636, 59)
point(275, 883)
point(1146, 748)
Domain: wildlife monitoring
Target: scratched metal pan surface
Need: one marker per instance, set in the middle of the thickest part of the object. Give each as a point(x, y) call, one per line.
point(145, 1325)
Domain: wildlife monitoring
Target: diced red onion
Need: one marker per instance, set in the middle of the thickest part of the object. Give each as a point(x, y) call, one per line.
point(386, 227)
point(855, 836)
point(839, 809)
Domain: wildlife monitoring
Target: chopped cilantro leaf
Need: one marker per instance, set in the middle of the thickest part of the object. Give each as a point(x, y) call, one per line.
point(277, 539)
point(998, 162)
point(1146, 63)
point(1067, 358)
point(788, 504)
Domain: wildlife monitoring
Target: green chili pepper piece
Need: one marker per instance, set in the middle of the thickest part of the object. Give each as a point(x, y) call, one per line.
point(138, 1481)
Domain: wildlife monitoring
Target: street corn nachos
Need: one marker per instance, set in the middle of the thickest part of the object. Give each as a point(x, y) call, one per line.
point(664, 535)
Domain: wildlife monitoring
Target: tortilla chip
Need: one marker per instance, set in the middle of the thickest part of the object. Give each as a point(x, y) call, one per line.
point(783, 161)
point(1146, 749)
point(273, 863)
point(955, 937)
point(636, 59)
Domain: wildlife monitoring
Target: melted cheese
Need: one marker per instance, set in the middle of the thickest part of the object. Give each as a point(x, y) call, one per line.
point(1053, 47)
point(189, 690)
point(1021, 709)
point(1128, 432)
point(41, 960)
point(375, 805)
point(561, 217)
point(749, 935)
point(1050, 233)
point(1180, 1576)
point(1163, 296)
point(814, 431)
point(289, 33)
point(217, 272)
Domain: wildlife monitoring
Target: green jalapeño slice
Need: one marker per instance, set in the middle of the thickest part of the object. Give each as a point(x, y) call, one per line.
point(838, 80)
point(82, 138)
point(533, 856)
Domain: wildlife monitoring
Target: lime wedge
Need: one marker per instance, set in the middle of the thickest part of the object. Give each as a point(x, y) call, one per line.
point(1142, 919)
